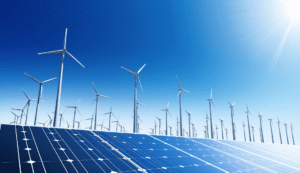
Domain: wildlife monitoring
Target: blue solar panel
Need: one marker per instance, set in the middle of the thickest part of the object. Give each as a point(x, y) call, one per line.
point(154, 155)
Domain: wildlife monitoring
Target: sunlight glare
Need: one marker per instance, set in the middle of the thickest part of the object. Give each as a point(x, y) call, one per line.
point(294, 9)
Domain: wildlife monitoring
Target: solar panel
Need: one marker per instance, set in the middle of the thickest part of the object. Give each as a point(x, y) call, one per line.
point(43, 149)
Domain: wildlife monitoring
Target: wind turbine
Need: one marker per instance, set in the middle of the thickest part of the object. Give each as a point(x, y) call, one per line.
point(159, 124)
point(193, 129)
point(16, 116)
point(226, 134)
point(253, 133)
point(189, 114)
point(40, 94)
point(287, 137)
point(217, 131)
point(179, 95)
point(68, 124)
point(97, 95)
point(110, 112)
point(50, 122)
point(244, 130)
point(78, 122)
point(61, 118)
point(232, 112)
point(62, 51)
point(167, 111)
point(155, 126)
point(207, 132)
point(136, 76)
point(271, 123)
point(101, 125)
point(28, 104)
point(138, 115)
point(222, 128)
point(75, 108)
point(117, 123)
point(248, 112)
point(261, 130)
point(44, 122)
point(152, 130)
point(170, 130)
point(211, 124)
point(279, 130)
point(22, 112)
point(92, 119)
point(292, 133)
point(183, 131)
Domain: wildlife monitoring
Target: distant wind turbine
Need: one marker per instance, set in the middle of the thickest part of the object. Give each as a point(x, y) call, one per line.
point(211, 124)
point(292, 128)
point(50, 122)
point(16, 117)
point(155, 126)
point(217, 131)
point(136, 76)
point(117, 123)
point(159, 124)
point(193, 130)
point(253, 133)
point(207, 132)
point(22, 112)
point(167, 111)
point(179, 95)
point(222, 128)
point(271, 123)
point(40, 95)
point(92, 119)
point(28, 103)
point(110, 113)
point(96, 98)
point(287, 137)
point(248, 112)
point(279, 130)
point(244, 131)
point(177, 130)
point(189, 114)
point(226, 134)
point(232, 112)
point(75, 108)
point(78, 122)
point(261, 129)
point(62, 51)
point(101, 125)
point(44, 122)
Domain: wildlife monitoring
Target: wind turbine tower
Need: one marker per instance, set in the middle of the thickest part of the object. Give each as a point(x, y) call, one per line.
point(167, 111)
point(287, 137)
point(159, 124)
point(62, 51)
point(179, 95)
point(110, 113)
point(292, 128)
point(261, 129)
point(253, 133)
point(222, 128)
point(136, 76)
point(211, 126)
point(248, 112)
point(97, 95)
point(193, 129)
point(244, 131)
point(189, 114)
point(279, 130)
point(177, 127)
point(271, 123)
point(75, 108)
point(217, 131)
point(40, 95)
point(28, 103)
point(226, 134)
point(232, 112)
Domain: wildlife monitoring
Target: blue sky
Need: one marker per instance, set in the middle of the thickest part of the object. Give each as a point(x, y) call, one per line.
point(246, 52)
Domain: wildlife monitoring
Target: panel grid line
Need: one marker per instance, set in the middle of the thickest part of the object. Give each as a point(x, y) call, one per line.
point(28, 150)
point(18, 148)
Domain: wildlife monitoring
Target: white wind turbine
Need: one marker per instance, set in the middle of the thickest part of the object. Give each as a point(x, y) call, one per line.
point(287, 137)
point(136, 76)
point(22, 112)
point(244, 131)
point(207, 133)
point(211, 124)
point(261, 129)
point(61, 118)
point(40, 95)
point(117, 123)
point(16, 116)
point(110, 113)
point(253, 133)
point(75, 108)
point(62, 51)
point(92, 119)
point(232, 112)
point(292, 133)
point(248, 112)
point(177, 123)
point(50, 122)
point(279, 130)
point(271, 123)
point(159, 124)
point(167, 111)
point(28, 103)
point(101, 125)
point(97, 95)
point(44, 122)
point(179, 95)
point(189, 114)
point(222, 128)
point(226, 133)
point(78, 122)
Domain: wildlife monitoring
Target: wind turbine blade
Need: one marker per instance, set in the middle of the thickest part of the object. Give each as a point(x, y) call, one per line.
point(178, 82)
point(229, 104)
point(191, 111)
point(32, 78)
point(233, 103)
point(115, 116)
point(213, 104)
point(94, 99)
point(74, 59)
point(65, 41)
point(106, 113)
point(70, 106)
point(141, 69)
point(64, 111)
point(185, 90)
point(95, 88)
point(49, 117)
point(187, 112)
point(78, 111)
point(140, 118)
point(78, 101)
point(50, 52)
point(25, 94)
point(14, 113)
point(178, 94)
point(168, 105)
point(41, 91)
point(104, 96)
point(211, 93)
point(25, 106)
point(48, 80)
point(169, 113)
point(140, 84)
point(128, 70)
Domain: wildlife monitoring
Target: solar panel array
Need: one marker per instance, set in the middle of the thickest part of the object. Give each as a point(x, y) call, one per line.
point(43, 149)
